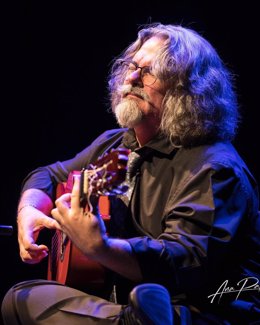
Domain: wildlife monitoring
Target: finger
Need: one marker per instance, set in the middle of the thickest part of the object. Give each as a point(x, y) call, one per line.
point(75, 194)
point(49, 223)
point(33, 251)
point(29, 244)
point(33, 257)
point(63, 203)
point(63, 200)
point(27, 238)
point(57, 216)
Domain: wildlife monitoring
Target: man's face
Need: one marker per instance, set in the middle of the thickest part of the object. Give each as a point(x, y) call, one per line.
point(141, 102)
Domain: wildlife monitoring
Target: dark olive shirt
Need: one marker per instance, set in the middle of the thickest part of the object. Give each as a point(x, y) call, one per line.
point(192, 221)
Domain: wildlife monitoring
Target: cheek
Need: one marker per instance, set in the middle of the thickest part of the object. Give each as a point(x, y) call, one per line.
point(156, 99)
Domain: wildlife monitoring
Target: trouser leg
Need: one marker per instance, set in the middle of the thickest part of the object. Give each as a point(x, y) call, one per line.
point(41, 302)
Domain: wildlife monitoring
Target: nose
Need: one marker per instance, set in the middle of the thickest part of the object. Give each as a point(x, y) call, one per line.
point(134, 77)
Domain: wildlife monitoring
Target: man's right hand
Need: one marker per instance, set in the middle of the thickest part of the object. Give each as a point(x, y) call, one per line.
point(30, 222)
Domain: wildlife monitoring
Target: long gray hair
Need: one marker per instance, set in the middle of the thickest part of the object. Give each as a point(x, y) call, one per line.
point(200, 105)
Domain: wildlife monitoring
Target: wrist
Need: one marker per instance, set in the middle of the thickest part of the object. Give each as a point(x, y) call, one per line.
point(20, 208)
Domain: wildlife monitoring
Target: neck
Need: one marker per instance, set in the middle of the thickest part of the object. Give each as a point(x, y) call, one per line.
point(144, 133)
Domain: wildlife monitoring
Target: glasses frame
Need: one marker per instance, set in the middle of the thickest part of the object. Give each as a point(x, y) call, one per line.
point(142, 71)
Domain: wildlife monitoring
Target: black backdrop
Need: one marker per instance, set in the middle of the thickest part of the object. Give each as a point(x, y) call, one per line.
point(55, 56)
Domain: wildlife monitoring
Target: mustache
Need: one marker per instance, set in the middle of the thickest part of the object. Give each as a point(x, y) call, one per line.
point(129, 89)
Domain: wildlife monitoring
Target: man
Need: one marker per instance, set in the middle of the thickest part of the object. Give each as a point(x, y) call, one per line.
point(188, 230)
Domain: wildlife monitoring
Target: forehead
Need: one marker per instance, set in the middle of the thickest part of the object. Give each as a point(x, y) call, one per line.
point(147, 52)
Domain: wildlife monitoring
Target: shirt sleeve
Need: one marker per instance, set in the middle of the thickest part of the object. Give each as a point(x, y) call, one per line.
point(205, 220)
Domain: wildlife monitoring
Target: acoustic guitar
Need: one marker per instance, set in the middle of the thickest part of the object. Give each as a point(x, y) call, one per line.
point(67, 264)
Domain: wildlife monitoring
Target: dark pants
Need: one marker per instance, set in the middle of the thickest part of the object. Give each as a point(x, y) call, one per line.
point(41, 302)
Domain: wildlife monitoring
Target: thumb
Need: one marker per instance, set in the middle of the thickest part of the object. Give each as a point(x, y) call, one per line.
point(50, 223)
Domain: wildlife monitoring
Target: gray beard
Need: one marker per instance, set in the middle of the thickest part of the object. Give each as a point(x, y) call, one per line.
point(128, 114)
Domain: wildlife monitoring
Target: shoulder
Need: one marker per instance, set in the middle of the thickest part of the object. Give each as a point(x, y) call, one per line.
point(215, 157)
point(218, 153)
point(220, 157)
point(109, 138)
point(112, 134)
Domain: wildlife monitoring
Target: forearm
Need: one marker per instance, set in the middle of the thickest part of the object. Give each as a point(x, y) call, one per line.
point(118, 257)
point(36, 198)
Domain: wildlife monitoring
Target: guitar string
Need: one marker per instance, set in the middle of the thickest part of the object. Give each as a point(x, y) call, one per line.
point(92, 176)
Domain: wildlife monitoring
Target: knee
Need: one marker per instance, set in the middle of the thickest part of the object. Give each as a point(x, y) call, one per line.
point(8, 308)
point(12, 299)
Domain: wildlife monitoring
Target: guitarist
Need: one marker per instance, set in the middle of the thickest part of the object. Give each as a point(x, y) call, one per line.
point(189, 225)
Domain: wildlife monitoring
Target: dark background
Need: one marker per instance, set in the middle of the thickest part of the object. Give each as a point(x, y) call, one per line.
point(55, 57)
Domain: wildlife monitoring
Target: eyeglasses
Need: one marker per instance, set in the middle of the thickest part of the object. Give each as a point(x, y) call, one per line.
point(146, 76)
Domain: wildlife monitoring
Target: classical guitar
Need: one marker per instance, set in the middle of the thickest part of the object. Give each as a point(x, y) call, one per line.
point(66, 263)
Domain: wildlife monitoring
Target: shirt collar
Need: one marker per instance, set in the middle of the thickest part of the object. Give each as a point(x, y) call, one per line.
point(159, 143)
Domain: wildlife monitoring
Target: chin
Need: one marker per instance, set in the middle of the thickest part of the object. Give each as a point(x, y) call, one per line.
point(128, 113)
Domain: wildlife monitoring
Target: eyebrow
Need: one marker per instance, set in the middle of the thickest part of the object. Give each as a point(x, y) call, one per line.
point(138, 66)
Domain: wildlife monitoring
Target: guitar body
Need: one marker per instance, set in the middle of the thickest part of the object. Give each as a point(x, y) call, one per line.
point(66, 263)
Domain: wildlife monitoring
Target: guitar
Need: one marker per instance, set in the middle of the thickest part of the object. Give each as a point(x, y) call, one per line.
point(66, 263)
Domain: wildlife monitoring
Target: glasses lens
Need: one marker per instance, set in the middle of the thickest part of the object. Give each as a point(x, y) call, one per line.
point(147, 77)
point(145, 73)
